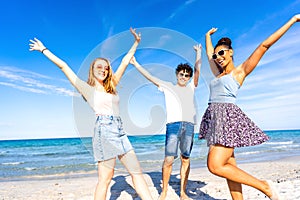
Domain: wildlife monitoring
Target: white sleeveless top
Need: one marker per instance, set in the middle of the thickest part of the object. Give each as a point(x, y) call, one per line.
point(102, 103)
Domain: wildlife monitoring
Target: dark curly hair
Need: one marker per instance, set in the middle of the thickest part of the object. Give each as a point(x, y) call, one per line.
point(185, 67)
point(224, 41)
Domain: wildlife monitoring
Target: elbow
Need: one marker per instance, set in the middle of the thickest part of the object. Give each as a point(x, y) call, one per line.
point(196, 82)
point(63, 66)
point(265, 46)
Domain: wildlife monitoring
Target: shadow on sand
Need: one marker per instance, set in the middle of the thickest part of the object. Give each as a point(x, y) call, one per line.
point(193, 187)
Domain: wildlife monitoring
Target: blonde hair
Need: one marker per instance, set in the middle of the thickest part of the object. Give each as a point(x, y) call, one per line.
point(108, 82)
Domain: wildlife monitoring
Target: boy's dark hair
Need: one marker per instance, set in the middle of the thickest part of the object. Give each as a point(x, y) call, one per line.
point(185, 67)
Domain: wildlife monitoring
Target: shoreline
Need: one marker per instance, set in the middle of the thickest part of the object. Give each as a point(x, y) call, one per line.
point(92, 173)
point(285, 173)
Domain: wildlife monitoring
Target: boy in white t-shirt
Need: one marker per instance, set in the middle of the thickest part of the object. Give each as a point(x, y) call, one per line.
point(181, 117)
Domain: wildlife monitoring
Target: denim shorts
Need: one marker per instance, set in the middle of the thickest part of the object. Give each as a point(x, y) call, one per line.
point(109, 138)
point(179, 134)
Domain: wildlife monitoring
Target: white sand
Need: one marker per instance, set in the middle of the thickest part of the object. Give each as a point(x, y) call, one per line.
point(201, 184)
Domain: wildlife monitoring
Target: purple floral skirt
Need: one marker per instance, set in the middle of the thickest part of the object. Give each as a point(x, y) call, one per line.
point(226, 124)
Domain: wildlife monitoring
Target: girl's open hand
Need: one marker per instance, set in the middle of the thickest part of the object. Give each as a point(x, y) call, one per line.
point(212, 31)
point(137, 36)
point(36, 45)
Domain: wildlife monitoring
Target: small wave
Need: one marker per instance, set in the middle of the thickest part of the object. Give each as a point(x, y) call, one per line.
point(286, 146)
point(151, 161)
point(13, 163)
point(249, 152)
point(147, 153)
point(55, 167)
point(280, 143)
point(93, 164)
point(30, 168)
point(2, 153)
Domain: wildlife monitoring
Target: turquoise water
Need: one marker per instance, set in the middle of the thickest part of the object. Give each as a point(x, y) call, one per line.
point(21, 158)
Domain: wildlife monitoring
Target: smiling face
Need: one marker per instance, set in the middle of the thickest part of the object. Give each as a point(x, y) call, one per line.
point(222, 56)
point(101, 70)
point(183, 77)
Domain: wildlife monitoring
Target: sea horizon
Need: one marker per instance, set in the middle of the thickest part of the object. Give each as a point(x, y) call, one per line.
point(73, 137)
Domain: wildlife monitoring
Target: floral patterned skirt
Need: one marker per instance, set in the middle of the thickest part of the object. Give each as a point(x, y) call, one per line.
point(226, 124)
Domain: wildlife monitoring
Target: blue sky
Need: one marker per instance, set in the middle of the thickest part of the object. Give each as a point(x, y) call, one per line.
point(38, 102)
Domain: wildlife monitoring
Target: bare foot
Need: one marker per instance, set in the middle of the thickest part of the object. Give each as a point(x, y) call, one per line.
point(183, 196)
point(162, 196)
point(274, 193)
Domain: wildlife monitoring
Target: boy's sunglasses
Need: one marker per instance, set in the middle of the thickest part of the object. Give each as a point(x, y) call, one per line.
point(220, 53)
point(186, 75)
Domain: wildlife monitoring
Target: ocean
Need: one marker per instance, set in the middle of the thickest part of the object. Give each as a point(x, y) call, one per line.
point(20, 159)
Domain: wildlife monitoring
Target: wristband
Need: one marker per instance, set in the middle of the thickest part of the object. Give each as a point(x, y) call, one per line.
point(43, 50)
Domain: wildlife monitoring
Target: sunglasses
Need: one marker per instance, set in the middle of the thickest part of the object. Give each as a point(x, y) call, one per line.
point(220, 53)
point(184, 75)
point(100, 67)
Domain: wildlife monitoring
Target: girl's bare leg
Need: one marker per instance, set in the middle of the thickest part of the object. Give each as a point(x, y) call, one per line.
point(235, 188)
point(105, 174)
point(220, 163)
point(130, 161)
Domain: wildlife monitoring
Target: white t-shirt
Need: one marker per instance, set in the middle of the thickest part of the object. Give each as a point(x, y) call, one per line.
point(102, 103)
point(180, 101)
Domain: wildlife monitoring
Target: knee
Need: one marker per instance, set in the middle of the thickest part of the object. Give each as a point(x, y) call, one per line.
point(185, 160)
point(168, 161)
point(105, 179)
point(135, 171)
point(214, 167)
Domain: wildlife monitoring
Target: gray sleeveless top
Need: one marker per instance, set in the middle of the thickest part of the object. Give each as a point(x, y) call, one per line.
point(223, 89)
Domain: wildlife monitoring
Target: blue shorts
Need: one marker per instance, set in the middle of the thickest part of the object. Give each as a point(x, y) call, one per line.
point(109, 140)
point(179, 134)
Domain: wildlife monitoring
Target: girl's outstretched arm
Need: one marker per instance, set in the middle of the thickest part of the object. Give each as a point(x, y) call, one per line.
point(37, 45)
point(249, 65)
point(198, 62)
point(125, 61)
point(81, 86)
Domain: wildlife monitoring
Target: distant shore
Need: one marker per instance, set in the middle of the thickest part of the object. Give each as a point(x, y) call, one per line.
point(201, 185)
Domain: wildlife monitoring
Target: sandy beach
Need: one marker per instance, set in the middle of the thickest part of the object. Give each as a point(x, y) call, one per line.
point(201, 185)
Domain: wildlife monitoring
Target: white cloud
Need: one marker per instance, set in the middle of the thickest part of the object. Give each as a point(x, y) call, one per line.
point(179, 9)
point(26, 89)
point(29, 81)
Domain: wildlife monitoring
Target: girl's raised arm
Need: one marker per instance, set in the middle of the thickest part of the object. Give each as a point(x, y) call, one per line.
point(37, 45)
point(210, 50)
point(249, 65)
point(125, 61)
point(81, 86)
